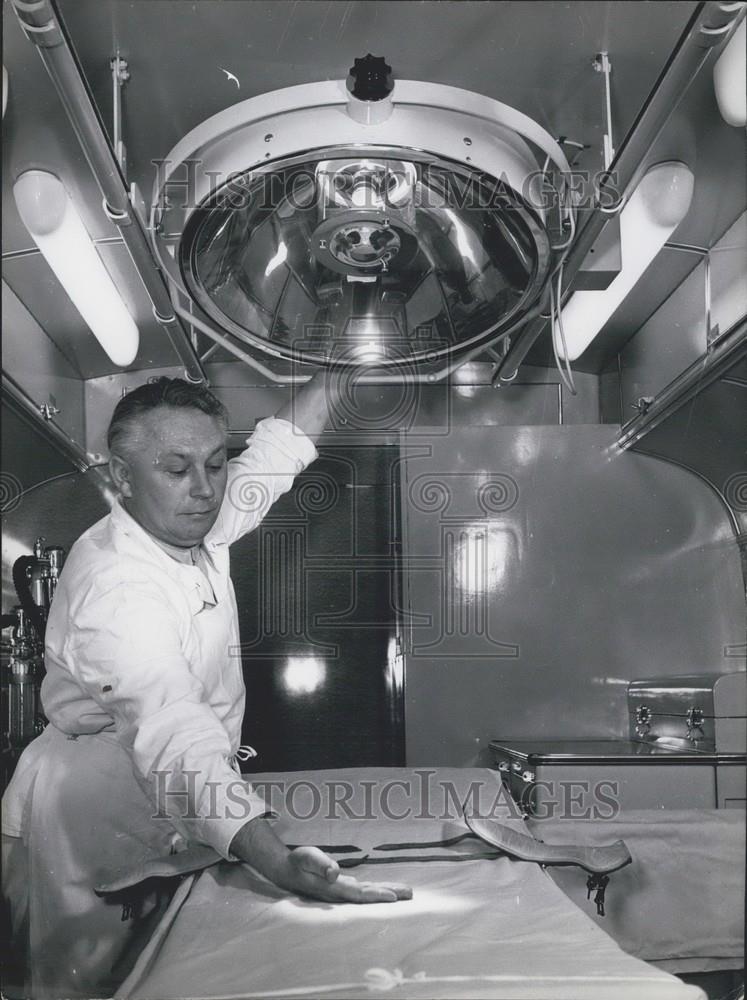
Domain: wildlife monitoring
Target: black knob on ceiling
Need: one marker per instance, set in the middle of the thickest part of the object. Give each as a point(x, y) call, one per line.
point(370, 78)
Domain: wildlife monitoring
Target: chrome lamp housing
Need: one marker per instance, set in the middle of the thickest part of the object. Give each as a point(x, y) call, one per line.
point(310, 226)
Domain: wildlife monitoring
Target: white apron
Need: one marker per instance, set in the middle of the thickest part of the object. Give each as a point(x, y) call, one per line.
point(81, 944)
point(87, 821)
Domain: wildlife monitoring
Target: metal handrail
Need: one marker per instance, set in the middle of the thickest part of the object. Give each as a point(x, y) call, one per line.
point(706, 370)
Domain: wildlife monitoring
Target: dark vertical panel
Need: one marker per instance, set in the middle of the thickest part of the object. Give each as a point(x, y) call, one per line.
point(316, 588)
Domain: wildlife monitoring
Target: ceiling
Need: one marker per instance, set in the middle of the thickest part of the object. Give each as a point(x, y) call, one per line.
point(535, 57)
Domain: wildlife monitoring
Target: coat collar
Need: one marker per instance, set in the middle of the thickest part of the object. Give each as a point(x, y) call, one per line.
point(197, 575)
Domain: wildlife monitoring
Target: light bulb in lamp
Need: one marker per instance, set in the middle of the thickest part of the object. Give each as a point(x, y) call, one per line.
point(653, 211)
point(54, 224)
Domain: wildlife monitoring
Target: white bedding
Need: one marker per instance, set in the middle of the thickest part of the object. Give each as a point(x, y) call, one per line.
point(477, 928)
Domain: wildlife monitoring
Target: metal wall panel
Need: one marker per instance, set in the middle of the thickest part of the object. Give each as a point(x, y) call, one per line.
point(543, 572)
point(675, 336)
point(40, 368)
point(378, 413)
point(709, 436)
point(102, 395)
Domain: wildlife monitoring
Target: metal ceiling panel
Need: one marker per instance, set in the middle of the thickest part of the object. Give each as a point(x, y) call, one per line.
point(188, 61)
point(534, 57)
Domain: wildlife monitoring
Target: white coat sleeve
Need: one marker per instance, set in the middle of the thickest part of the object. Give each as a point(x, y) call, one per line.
point(275, 454)
point(125, 649)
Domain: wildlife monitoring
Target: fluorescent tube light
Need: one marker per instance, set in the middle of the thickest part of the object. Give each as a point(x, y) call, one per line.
point(652, 213)
point(730, 78)
point(52, 220)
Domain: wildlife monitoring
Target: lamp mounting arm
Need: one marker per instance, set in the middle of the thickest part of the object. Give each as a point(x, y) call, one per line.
point(120, 76)
point(602, 64)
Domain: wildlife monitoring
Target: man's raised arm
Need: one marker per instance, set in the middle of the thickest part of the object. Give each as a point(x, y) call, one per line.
point(313, 404)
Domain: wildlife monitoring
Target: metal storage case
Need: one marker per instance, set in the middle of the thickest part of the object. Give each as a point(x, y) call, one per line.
point(688, 750)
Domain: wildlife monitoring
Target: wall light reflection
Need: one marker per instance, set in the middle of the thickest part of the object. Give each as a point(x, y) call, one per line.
point(481, 558)
point(304, 674)
point(525, 445)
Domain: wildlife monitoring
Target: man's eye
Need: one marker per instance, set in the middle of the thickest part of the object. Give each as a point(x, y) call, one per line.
point(177, 472)
point(216, 468)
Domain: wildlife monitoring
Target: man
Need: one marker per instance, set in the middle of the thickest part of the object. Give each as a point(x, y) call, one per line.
point(145, 697)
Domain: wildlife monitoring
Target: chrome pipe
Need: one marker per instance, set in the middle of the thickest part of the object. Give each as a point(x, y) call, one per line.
point(43, 26)
point(712, 366)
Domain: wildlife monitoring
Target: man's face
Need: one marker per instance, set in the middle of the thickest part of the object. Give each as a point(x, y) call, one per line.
point(174, 480)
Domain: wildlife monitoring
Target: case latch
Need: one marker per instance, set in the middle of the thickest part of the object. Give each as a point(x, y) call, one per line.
point(695, 718)
point(642, 721)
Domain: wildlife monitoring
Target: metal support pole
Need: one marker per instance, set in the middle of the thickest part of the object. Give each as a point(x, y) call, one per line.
point(710, 25)
point(120, 76)
point(42, 25)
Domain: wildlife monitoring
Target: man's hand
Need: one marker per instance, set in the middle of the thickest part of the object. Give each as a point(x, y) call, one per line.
point(307, 871)
point(311, 872)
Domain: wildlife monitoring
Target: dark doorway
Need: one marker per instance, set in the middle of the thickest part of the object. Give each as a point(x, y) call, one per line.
point(317, 587)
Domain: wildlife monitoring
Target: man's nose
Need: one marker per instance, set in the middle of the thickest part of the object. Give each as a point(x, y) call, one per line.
point(201, 485)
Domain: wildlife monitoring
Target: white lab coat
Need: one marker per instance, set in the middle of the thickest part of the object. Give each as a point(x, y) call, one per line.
point(144, 694)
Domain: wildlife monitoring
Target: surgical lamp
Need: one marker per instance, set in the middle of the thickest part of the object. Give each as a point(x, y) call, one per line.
point(396, 225)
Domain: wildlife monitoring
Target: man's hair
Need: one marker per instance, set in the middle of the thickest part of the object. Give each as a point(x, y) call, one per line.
point(170, 392)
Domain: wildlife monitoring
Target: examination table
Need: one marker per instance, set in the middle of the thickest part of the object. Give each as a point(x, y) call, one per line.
point(479, 925)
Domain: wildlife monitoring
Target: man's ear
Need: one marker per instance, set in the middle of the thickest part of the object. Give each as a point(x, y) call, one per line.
point(119, 469)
